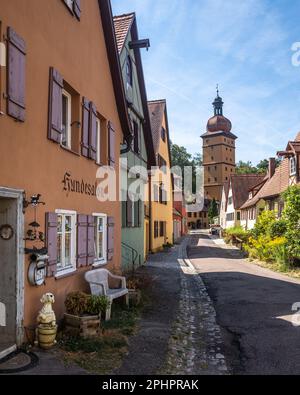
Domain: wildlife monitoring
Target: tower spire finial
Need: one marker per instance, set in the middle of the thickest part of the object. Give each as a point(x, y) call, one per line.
point(218, 103)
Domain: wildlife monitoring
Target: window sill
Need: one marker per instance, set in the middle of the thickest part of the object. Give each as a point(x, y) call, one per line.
point(99, 263)
point(69, 150)
point(65, 273)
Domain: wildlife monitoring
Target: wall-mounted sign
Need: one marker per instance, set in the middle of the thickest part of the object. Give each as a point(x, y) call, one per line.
point(37, 269)
point(6, 232)
point(78, 186)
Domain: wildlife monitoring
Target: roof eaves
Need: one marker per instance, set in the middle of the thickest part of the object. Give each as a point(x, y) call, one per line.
point(115, 67)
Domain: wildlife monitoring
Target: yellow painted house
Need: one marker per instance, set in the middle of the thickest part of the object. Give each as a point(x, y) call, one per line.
point(161, 196)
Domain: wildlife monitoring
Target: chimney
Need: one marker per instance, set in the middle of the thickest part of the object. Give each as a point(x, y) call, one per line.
point(272, 167)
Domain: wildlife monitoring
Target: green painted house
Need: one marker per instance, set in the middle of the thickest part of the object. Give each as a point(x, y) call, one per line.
point(137, 158)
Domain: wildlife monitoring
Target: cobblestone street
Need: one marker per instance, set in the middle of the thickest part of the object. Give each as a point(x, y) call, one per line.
point(196, 345)
point(185, 338)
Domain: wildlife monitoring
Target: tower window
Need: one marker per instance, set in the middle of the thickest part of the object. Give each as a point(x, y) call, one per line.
point(208, 168)
point(226, 168)
point(212, 158)
point(215, 167)
point(208, 180)
point(216, 179)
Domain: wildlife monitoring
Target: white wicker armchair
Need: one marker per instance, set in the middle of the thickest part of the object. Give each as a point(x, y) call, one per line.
point(99, 285)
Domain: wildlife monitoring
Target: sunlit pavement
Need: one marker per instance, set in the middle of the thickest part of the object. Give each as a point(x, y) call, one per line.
point(253, 306)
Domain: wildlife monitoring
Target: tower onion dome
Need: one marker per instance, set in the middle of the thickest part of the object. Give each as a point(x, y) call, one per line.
point(218, 123)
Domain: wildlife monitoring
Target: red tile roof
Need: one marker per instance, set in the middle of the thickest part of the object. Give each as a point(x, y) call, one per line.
point(123, 24)
point(241, 184)
point(273, 187)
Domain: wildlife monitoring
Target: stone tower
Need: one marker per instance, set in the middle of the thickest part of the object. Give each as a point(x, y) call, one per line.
point(218, 152)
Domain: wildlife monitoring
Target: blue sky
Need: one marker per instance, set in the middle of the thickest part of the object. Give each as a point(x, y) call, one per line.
point(245, 46)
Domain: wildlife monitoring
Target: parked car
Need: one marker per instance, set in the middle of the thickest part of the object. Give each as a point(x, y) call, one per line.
point(215, 230)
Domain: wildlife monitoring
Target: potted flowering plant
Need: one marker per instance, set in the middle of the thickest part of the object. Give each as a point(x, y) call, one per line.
point(83, 314)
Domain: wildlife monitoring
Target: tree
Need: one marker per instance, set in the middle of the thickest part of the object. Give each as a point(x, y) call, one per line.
point(245, 168)
point(197, 160)
point(248, 168)
point(181, 158)
point(263, 166)
point(213, 210)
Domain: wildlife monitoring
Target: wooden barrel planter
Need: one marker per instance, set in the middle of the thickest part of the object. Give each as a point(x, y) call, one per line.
point(83, 326)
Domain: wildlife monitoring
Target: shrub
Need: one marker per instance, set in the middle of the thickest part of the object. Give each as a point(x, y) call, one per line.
point(279, 250)
point(263, 224)
point(231, 233)
point(291, 215)
point(97, 304)
point(76, 303)
point(277, 228)
point(80, 303)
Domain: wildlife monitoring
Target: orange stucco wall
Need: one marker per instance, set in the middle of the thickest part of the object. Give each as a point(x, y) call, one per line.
point(30, 161)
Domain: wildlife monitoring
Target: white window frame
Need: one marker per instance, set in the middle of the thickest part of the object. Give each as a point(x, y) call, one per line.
point(69, 116)
point(72, 268)
point(293, 166)
point(103, 261)
point(98, 134)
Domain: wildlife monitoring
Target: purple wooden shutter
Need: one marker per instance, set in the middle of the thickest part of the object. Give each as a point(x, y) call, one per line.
point(51, 242)
point(110, 238)
point(16, 75)
point(85, 127)
point(77, 9)
point(111, 145)
point(91, 240)
point(55, 106)
point(93, 132)
point(129, 211)
point(82, 226)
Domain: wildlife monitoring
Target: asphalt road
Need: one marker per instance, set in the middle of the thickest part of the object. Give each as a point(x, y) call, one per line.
point(254, 309)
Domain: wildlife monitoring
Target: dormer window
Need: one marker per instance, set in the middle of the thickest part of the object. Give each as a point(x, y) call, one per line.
point(129, 71)
point(293, 168)
point(250, 195)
